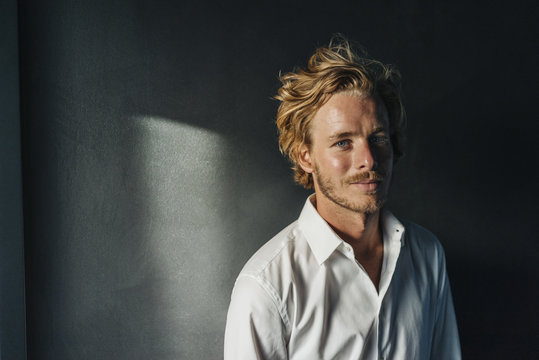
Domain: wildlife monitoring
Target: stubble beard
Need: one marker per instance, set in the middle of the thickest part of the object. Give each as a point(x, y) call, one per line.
point(371, 203)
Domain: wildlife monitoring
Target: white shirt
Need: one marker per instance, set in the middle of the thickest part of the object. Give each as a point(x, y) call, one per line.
point(304, 296)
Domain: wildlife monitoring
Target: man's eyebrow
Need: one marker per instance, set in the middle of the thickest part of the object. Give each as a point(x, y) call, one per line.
point(345, 134)
point(340, 135)
point(379, 129)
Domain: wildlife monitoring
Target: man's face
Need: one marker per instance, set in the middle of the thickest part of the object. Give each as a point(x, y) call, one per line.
point(350, 157)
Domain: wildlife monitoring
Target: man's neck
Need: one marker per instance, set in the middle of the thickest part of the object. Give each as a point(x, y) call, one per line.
point(360, 230)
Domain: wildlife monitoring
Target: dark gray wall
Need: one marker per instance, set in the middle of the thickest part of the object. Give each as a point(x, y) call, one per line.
point(12, 325)
point(151, 170)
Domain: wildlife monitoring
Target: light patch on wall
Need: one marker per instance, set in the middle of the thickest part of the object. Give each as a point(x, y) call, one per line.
point(186, 189)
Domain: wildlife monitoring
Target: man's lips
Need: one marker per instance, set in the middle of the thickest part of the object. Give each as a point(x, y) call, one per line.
point(370, 185)
point(366, 182)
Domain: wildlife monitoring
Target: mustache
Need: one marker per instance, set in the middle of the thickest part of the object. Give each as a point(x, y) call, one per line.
point(368, 175)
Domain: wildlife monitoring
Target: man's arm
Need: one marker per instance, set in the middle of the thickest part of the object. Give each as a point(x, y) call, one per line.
point(445, 341)
point(254, 327)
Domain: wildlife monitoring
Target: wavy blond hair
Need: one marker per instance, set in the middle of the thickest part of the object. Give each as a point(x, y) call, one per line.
point(330, 70)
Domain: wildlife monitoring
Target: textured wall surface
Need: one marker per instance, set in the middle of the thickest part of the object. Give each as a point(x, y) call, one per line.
point(12, 329)
point(151, 170)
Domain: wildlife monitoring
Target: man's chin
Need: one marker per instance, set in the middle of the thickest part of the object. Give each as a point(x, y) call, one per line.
point(367, 206)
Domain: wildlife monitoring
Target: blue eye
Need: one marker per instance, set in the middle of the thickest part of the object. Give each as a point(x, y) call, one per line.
point(342, 143)
point(379, 139)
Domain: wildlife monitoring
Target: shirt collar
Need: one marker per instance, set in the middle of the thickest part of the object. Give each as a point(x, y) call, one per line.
point(323, 241)
point(320, 236)
point(392, 228)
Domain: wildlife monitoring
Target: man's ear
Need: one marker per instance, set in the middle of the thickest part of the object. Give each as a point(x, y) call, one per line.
point(304, 159)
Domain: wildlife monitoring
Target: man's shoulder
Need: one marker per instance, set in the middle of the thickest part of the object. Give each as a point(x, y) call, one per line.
point(419, 232)
point(277, 252)
point(422, 241)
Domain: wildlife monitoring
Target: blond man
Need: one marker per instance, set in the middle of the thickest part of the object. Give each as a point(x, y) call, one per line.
point(347, 280)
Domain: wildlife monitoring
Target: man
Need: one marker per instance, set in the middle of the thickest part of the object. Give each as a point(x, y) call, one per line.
point(347, 280)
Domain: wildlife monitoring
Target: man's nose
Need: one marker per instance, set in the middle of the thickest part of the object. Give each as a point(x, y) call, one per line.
point(365, 158)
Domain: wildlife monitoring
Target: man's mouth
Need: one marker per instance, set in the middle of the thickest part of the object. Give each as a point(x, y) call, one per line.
point(367, 182)
point(366, 186)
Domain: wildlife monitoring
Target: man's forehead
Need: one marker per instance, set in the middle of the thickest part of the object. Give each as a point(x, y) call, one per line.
point(347, 108)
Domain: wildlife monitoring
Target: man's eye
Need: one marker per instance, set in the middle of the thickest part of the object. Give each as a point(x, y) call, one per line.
point(342, 143)
point(381, 139)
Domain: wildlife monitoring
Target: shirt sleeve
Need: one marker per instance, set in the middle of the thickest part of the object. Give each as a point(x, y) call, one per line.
point(254, 327)
point(445, 342)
